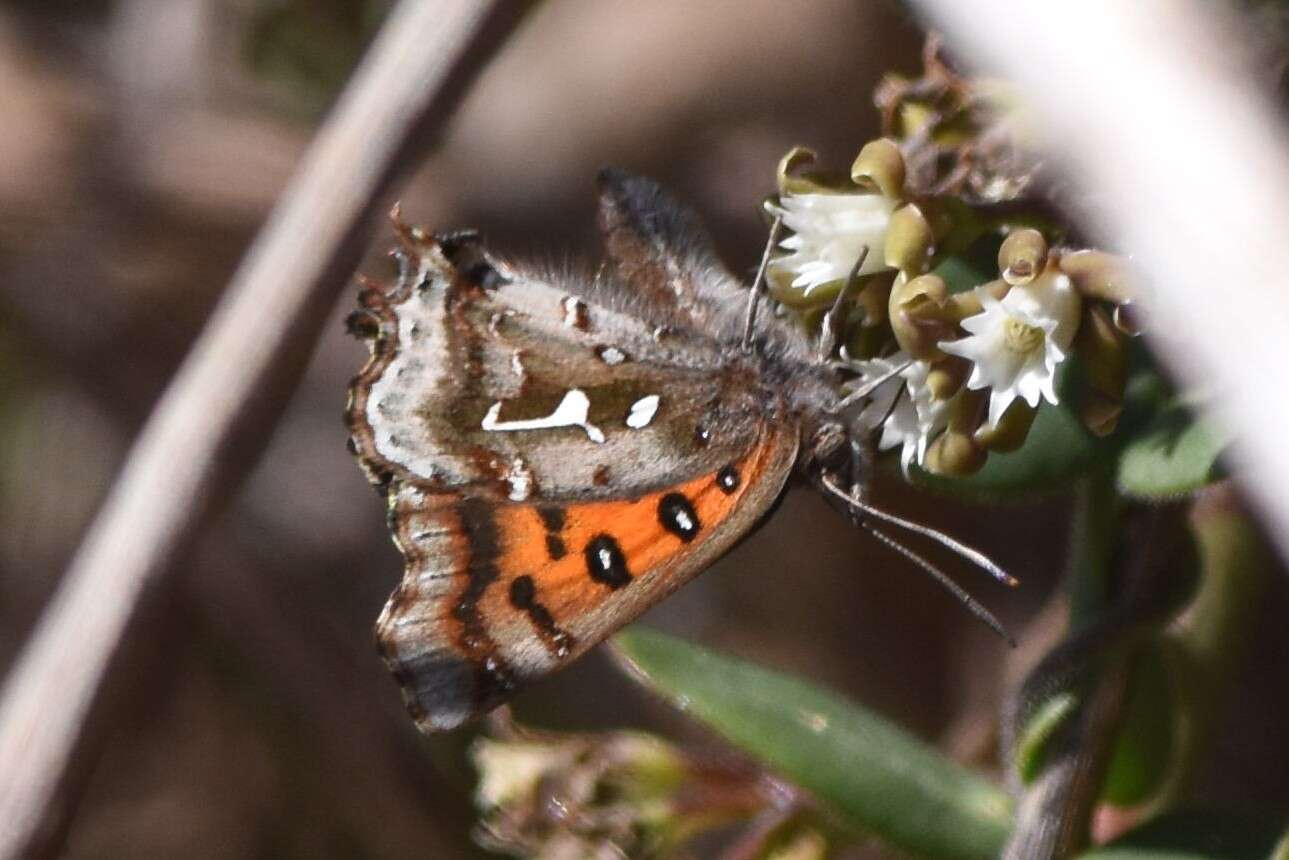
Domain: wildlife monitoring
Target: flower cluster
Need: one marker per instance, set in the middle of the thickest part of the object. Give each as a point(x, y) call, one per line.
point(944, 374)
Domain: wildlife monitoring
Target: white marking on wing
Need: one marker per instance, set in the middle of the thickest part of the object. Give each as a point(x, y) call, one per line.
point(520, 478)
point(574, 312)
point(642, 412)
point(571, 412)
point(612, 355)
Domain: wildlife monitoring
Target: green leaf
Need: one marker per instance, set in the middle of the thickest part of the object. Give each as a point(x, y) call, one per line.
point(1193, 836)
point(880, 779)
point(1032, 743)
point(1144, 746)
point(1172, 452)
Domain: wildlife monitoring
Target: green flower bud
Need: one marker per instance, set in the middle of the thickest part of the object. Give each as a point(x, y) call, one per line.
point(909, 240)
point(947, 376)
point(956, 453)
point(1100, 346)
point(791, 183)
point(880, 167)
point(1098, 275)
point(919, 316)
point(1011, 430)
point(1022, 256)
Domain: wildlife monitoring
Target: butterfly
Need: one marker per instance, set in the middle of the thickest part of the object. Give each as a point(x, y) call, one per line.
point(559, 452)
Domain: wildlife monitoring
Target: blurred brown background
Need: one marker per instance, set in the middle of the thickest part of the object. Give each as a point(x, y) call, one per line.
point(141, 144)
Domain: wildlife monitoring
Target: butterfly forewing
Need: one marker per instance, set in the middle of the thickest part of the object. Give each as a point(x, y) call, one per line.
point(553, 465)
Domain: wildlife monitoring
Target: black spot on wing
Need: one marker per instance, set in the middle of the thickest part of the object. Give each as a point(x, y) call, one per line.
point(678, 516)
point(553, 518)
point(555, 547)
point(523, 596)
point(727, 479)
point(494, 680)
point(605, 562)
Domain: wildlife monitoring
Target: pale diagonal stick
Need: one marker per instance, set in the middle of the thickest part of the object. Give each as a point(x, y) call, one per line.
point(1188, 161)
point(253, 348)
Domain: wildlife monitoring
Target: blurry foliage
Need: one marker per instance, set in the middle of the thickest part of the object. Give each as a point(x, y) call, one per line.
point(307, 48)
point(1194, 836)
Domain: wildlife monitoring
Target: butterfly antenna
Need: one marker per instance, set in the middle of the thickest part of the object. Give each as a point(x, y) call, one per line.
point(973, 606)
point(758, 283)
point(952, 544)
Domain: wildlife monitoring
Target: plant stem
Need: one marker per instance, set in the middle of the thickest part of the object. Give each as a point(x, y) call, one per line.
point(1132, 591)
point(1094, 535)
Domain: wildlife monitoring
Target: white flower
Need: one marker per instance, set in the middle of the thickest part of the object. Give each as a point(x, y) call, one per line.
point(902, 407)
point(1016, 344)
point(829, 231)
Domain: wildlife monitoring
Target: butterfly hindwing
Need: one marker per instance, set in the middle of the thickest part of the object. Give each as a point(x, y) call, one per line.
point(495, 594)
point(553, 466)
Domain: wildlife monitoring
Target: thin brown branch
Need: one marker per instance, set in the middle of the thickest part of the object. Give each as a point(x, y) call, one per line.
point(233, 382)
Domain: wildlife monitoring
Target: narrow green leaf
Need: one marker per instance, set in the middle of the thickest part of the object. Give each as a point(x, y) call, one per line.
point(1193, 836)
point(1034, 736)
point(879, 778)
point(1144, 747)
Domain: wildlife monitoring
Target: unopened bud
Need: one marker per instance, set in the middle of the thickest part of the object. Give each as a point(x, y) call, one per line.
point(909, 240)
point(1011, 430)
point(956, 452)
point(955, 455)
point(1098, 275)
point(1100, 347)
point(1022, 256)
point(947, 376)
point(789, 182)
point(919, 317)
point(880, 167)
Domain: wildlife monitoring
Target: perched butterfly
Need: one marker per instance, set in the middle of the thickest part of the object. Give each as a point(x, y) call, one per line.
point(559, 453)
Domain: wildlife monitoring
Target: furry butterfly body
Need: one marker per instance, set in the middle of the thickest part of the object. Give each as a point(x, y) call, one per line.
point(559, 454)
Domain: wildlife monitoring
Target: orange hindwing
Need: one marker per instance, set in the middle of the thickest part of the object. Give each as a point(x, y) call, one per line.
point(532, 586)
